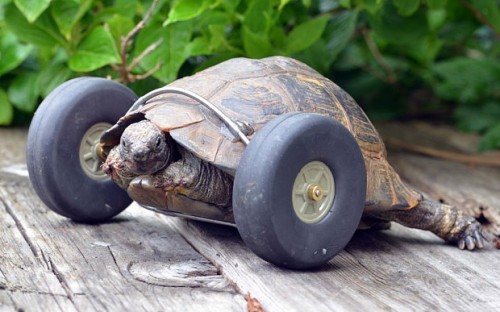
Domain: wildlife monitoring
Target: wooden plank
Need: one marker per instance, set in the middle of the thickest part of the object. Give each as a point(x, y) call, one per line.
point(48, 263)
point(438, 136)
point(12, 146)
point(389, 270)
point(134, 262)
point(474, 189)
point(142, 260)
point(22, 274)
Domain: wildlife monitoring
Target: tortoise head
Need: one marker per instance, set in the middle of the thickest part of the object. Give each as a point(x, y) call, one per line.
point(144, 148)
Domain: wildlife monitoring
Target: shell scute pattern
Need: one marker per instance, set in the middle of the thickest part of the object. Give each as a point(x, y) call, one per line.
point(256, 91)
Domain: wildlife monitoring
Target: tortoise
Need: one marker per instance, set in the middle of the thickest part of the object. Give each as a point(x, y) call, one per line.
point(274, 147)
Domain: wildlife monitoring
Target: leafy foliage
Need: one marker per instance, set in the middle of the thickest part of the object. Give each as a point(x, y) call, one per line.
point(396, 57)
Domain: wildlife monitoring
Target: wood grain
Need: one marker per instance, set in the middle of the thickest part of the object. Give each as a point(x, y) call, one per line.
point(135, 262)
point(145, 261)
point(389, 270)
point(473, 188)
point(84, 267)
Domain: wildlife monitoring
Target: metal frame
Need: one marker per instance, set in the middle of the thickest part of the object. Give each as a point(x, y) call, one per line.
point(186, 216)
point(230, 123)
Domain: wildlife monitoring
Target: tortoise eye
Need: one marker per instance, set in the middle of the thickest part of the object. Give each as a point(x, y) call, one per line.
point(158, 142)
point(125, 143)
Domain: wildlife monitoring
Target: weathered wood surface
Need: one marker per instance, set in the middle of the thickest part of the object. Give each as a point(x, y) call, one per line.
point(472, 187)
point(144, 261)
point(48, 263)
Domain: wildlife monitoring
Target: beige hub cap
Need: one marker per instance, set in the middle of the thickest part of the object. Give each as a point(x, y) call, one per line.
point(90, 162)
point(313, 192)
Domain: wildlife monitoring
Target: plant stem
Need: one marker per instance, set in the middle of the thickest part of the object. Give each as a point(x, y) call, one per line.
point(391, 75)
point(124, 70)
point(479, 16)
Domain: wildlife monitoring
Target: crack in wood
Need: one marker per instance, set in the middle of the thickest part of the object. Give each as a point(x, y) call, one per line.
point(60, 277)
point(20, 228)
point(195, 248)
point(23, 290)
point(45, 260)
point(233, 284)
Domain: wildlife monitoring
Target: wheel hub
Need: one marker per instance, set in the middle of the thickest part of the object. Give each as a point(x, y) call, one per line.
point(89, 147)
point(313, 192)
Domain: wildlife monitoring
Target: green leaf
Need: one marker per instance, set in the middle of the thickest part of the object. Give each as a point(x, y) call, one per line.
point(425, 50)
point(371, 6)
point(278, 37)
point(52, 76)
point(125, 7)
point(230, 5)
point(257, 16)
point(67, 13)
point(436, 4)
point(23, 92)
point(340, 31)
point(43, 32)
point(183, 10)
point(394, 28)
point(337, 35)
point(120, 26)
point(32, 9)
point(217, 36)
point(12, 52)
point(198, 46)
point(406, 7)
point(477, 118)
point(345, 3)
point(6, 110)
point(304, 35)
point(491, 139)
point(213, 17)
point(176, 48)
point(352, 57)
point(466, 79)
point(97, 50)
point(436, 18)
point(213, 25)
point(256, 45)
point(490, 9)
point(307, 3)
point(282, 4)
point(316, 56)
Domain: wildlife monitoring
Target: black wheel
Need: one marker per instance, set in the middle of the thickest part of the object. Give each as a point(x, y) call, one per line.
point(299, 190)
point(62, 164)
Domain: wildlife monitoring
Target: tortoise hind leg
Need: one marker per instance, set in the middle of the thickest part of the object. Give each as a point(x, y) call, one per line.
point(447, 222)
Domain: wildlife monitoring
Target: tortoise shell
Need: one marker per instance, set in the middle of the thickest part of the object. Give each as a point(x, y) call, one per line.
point(254, 92)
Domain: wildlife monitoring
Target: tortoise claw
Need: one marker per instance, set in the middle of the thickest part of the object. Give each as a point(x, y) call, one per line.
point(472, 237)
point(469, 242)
point(479, 240)
point(461, 244)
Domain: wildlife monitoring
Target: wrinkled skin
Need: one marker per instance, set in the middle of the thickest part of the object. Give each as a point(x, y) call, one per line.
point(148, 161)
point(145, 153)
point(144, 148)
point(447, 222)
